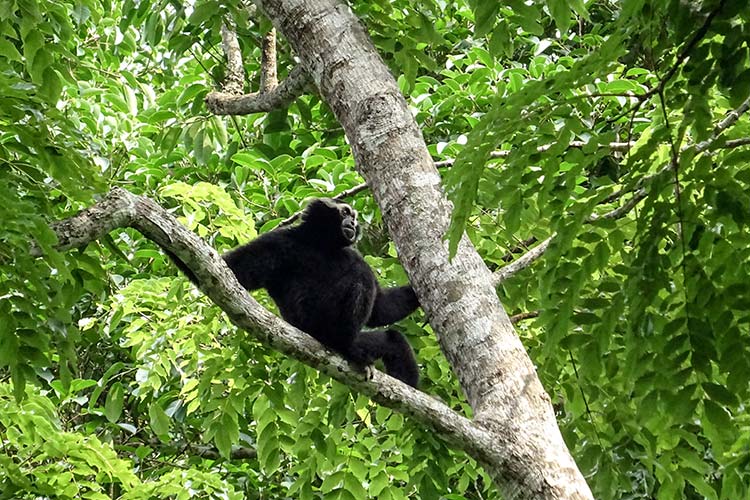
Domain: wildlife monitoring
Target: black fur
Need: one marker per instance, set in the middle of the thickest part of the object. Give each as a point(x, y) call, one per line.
point(324, 287)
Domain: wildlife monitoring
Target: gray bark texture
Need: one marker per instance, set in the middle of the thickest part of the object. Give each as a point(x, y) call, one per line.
point(530, 458)
point(235, 78)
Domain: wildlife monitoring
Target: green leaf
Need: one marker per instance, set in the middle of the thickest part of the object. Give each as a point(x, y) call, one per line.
point(720, 394)
point(9, 51)
point(527, 16)
point(18, 377)
point(52, 85)
point(227, 434)
point(8, 343)
point(354, 487)
point(701, 485)
point(560, 13)
point(158, 420)
point(32, 43)
point(269, 454)
point(718, 418)
point(250, 160)
point(114, 402)
point(501, 43)
point(485, 15)
point(333, 482)
point(202, 12)
point(378, 484)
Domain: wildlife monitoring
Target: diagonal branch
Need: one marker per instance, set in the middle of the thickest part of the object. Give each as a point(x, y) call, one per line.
point(723, 125)
point(536, 253)
point(120, 208)
point(522, 262)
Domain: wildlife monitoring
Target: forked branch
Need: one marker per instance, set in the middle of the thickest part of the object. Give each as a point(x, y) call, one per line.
point(293, 86)
point(271, 95)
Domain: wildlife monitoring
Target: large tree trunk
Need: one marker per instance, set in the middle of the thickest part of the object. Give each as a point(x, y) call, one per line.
point(458, 296)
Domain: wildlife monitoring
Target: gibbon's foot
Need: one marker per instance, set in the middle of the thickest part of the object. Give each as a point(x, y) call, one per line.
point(369, 372)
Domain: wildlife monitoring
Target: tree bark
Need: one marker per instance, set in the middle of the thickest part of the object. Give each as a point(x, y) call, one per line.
point(458, 295)
point(234, 82)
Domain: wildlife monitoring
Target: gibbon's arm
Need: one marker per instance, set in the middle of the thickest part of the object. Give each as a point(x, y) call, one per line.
point(252, 264)
point(392, 305)
point(255, 263)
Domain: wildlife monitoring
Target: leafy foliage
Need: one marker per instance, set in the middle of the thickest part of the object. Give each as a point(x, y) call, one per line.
point(119, 380)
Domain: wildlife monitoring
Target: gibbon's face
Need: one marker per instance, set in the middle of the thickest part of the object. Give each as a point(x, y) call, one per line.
point(349, 225)
point(330, 215)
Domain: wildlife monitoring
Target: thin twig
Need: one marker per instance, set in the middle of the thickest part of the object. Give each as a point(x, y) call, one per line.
point(524, 316)
point(723, 125)
point(538, 251)
point(522, 262)
point(735, 143)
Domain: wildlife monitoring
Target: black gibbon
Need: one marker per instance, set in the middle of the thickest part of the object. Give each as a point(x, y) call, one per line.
point(324, 287)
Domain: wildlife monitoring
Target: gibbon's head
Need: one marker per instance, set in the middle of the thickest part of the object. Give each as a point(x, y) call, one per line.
point(332, 220)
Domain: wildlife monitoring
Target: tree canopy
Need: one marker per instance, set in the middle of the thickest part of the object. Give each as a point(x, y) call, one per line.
point(596, 155)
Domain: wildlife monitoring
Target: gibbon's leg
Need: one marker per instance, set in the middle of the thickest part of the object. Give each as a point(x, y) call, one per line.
point(341, 316)
point(393, 348)
point(392, 305)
